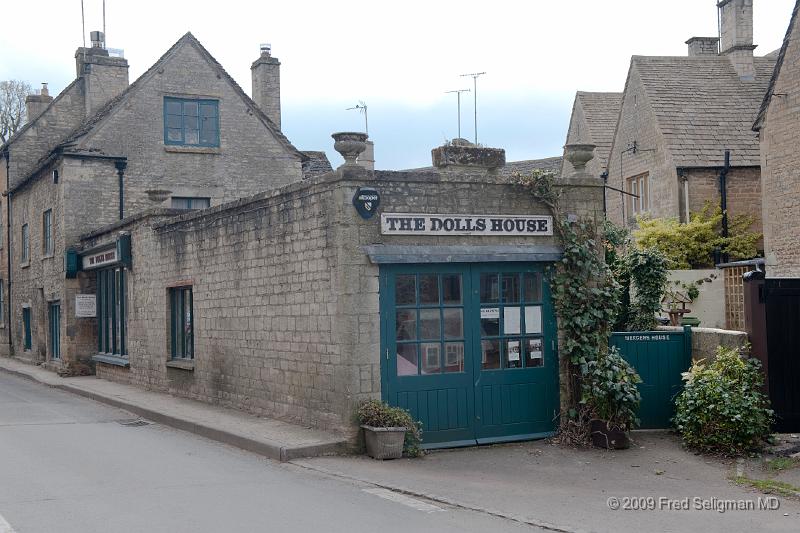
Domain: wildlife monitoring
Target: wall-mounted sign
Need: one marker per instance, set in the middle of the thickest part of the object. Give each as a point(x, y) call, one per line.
point(85, 305)
point(366, 202)
point(431, 224)
point(99, 259)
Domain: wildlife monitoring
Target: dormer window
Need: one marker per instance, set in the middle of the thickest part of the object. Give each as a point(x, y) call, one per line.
point(191, 122)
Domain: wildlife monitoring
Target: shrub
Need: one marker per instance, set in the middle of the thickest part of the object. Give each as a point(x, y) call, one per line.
point(647, 269)
point(610, 392)
point(376, 413)
point(692, 244)
point(722, 409)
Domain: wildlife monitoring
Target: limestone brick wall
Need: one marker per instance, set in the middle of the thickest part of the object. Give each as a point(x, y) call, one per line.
point(638, 123)
point(249, 160)
point(61, 118)
point(40, 280)
point(744, 191)
point(286, 302)
point(780, 162)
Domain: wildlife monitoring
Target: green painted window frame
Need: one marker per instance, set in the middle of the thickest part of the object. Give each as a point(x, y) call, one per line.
point(186, 117)
point(25, 249)
point(47, 233)
point(26, 326)
point(181, 306)
point(111, 311)
point(55, 329)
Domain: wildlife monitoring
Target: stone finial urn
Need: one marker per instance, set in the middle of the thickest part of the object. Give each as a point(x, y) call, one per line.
point(350, 144)
point(579, 154)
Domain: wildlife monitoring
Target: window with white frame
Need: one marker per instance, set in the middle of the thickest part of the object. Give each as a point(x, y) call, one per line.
point(25, 251)
point(47, 233)
point(639, 188)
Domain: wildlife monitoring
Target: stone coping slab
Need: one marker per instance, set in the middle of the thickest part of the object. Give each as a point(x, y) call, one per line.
point(274, 439)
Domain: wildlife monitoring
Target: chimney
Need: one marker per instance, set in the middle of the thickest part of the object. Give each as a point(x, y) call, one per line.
point(736, 35)
point(104, 77)
point(266, 74)
point(367, 158)
point(36, 103)
point(703, 46)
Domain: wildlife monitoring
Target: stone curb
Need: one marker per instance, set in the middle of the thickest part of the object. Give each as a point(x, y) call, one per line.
point(271, 450)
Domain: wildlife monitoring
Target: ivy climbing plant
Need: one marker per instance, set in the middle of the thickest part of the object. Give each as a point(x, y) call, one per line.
point(585, 294)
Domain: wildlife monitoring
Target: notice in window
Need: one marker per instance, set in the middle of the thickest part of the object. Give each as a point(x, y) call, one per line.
point(533, 319)
point(511, 320)
point(513, 351)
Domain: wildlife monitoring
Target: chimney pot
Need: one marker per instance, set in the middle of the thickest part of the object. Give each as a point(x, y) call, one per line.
point(98, 39)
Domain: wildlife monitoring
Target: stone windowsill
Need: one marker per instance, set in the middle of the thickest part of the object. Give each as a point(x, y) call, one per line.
point(182, 364)
point(26, 264)
point(115, 360)
point(45, 257)
point(177, 149)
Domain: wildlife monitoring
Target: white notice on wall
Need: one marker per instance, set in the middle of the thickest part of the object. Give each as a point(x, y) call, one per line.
point(511, 320)
point(533, 319)
point(85, 306)
point(513, 350)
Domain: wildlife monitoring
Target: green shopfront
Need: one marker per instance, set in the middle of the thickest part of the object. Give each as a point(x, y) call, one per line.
point(468, 341)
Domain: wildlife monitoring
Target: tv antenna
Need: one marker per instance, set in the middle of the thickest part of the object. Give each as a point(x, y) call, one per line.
point(362, 108)
point(474, 77)
point(458, 94)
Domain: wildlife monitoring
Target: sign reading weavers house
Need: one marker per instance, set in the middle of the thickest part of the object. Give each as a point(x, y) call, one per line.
point(433, 224)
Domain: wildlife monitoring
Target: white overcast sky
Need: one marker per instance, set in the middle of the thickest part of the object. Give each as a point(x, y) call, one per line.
point(398, 57)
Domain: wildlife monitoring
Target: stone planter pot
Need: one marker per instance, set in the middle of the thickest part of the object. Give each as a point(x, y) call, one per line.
point(690, 321)
point(609, 437)
point(350, 144)
point(384, 443)
point(579, 154)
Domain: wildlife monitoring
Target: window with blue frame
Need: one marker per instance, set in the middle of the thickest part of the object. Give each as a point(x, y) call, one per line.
point(191, 122)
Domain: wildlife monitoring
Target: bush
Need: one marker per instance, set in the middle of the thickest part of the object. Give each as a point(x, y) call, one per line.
point(647, 269)
point(375, 413)
point(692, 244)
point(722, 409)
point(610, 392)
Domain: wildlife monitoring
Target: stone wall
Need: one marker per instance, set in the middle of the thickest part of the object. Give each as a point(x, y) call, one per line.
point(638, 123)
point(249, 160)
point(744, 192)
point(706, 340)
point(285, 299)
point(780, 161)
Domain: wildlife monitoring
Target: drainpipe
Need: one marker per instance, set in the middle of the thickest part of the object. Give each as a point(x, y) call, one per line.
point(723, 198)
point(604, 175)
point(121, 165)
point(8, 309)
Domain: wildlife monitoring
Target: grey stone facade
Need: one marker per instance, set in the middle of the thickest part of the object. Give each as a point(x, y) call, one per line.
point(778, 125)
point(68, 160)
point(285, 297)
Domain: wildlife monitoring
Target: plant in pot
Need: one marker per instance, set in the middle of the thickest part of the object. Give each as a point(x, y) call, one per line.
point(610, 394)
point(389, 431)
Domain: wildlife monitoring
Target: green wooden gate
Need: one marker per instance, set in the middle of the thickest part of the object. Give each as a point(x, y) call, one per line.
point(660, 357)
point(469, 349)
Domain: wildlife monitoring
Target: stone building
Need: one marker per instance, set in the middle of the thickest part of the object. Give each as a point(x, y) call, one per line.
point(298, 302)
point(678, 117)
point(593, 121)
point(182, 136)
point(778, 126)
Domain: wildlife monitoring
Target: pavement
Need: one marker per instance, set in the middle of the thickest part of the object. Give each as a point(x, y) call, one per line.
point(656, 485)
point(574, 490)
point(271, 438)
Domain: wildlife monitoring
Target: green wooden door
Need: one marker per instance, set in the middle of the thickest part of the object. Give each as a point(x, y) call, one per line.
point(516, 385)
point(660, 357)
point(472, 368)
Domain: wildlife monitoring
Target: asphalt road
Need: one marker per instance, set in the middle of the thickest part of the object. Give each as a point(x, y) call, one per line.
point(68, 464)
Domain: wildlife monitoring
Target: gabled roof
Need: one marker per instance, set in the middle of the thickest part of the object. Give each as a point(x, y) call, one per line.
point(762, 113)
point(190, 39)
point(601, 111)
point(317, 163)
point(28, 124)
point(527, 165)
point(702, 107)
